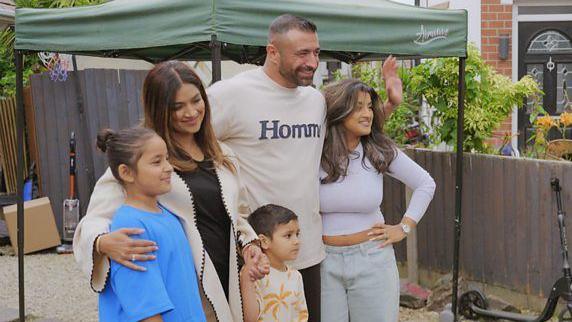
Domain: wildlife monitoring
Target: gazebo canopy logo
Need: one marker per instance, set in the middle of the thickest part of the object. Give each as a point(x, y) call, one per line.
point(425, 36)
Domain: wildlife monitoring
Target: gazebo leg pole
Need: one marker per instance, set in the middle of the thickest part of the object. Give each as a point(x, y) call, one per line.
point(216, 58)
point(20, 177)
point(458, 182)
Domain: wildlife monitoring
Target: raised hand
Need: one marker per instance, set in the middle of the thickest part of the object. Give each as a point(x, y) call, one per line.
point(393, 84)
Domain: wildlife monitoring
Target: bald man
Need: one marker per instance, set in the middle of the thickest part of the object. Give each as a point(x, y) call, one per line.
point(275, 124)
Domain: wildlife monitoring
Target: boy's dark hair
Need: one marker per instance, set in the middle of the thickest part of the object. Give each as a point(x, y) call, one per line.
point(265, 219)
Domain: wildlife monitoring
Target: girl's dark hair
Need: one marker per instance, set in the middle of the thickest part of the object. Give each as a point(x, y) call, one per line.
point(159, 92)
point(341, 100)
point(265, 219)
point(123, 147)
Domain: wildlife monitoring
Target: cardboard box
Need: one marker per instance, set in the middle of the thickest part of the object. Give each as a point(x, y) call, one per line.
point(40, 231)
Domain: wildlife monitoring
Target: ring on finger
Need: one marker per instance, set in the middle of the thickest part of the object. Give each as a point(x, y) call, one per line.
point(133, 257)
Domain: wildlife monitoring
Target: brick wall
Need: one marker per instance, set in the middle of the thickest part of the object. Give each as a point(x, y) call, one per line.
point(496, 20)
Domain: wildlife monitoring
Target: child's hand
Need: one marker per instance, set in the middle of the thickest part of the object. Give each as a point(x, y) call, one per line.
point(248, 289)
point(256, 262)
point(264, 264)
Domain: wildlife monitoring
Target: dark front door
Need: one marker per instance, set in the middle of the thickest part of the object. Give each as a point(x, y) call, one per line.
point(545, 53)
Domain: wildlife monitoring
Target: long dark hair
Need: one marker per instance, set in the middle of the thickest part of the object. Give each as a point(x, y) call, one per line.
point(341, 100)
point(159, 92)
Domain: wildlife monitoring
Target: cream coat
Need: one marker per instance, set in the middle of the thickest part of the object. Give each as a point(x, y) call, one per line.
point(108, 195)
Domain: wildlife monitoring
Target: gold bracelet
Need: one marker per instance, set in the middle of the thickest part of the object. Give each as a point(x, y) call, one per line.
point(97, 240)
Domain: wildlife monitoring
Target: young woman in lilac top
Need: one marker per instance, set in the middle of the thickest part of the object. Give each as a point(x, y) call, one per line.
point(359, 276)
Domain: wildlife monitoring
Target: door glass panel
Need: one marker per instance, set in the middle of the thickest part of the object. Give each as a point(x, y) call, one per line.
point(537, 72)
point(550, 42)
point(564, 87)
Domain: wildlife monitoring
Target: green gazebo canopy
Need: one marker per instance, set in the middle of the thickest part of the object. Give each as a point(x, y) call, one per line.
point(157, 30)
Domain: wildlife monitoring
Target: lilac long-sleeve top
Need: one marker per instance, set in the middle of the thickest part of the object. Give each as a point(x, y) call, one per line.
point(352, 204)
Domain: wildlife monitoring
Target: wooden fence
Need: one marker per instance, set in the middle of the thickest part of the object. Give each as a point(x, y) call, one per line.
point(8, 142)
point(86, 102)
point(510, 234)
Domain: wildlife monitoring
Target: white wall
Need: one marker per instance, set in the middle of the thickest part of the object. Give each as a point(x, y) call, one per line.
point(85, 62)
point(6, 16)
point(229, 68)
point(473, 8)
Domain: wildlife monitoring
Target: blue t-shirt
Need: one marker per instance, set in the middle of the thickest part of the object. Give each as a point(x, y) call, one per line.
point(169, 286)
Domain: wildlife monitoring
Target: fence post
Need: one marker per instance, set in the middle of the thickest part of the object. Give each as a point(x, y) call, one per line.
point(20, 116)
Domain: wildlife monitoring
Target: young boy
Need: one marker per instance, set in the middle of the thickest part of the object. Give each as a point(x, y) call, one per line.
point(279, 296)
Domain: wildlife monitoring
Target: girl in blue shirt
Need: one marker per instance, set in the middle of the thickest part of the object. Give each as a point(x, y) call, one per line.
point(167, 289)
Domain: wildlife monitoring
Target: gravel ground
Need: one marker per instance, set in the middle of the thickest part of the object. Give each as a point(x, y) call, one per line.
point(55, 288)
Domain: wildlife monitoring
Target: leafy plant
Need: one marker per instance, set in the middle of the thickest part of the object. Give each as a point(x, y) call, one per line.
point(542, 125)
point(564, 122)
point(489, 98)
point(7, 67)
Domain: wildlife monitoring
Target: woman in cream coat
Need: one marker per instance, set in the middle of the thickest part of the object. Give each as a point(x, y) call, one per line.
point(176, 107)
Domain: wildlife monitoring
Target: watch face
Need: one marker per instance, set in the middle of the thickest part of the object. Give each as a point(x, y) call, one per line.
point(406, 228)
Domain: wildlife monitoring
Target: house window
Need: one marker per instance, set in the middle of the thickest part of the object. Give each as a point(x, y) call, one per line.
point(563, 87)
point(537, 73)
point(550, 42)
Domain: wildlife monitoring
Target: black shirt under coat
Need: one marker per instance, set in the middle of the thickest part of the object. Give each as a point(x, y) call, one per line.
point(213, 221)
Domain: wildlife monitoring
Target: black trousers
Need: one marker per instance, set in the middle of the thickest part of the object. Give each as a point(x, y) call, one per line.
point(312, 291)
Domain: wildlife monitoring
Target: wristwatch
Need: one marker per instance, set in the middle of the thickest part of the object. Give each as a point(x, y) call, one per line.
point(405, 227)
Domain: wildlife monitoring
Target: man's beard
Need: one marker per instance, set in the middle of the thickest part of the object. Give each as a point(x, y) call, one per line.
point(292, 75)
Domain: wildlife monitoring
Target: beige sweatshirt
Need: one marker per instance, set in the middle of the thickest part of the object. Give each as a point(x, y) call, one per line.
point(277, 134)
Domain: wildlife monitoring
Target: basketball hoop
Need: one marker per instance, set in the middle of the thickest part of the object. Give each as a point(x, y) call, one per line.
point(57, 64)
